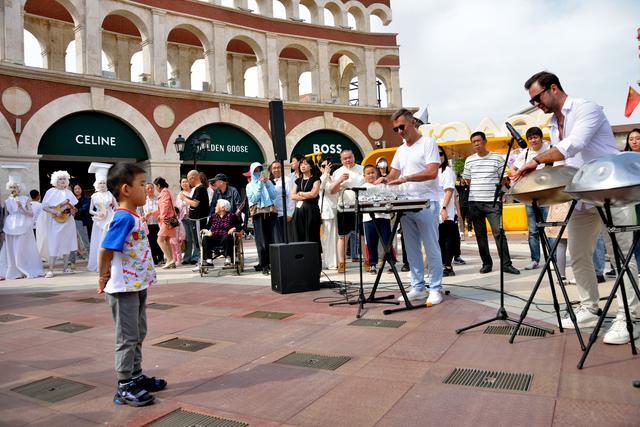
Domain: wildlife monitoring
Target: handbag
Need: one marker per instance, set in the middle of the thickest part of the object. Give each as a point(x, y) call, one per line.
point(254, 210)
point(172, 222)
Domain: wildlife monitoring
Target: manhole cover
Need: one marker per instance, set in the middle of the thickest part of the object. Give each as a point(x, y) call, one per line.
point(269, 315)
point(378, 323)
point(91, 300)
point(69, 327)
point(184, 344)
point(522, 331)
point(315, 361)
point(43, 294)
point(158, 306)
point(498, 380)
point(182, 418)
point(6, 318)
point(52, 389)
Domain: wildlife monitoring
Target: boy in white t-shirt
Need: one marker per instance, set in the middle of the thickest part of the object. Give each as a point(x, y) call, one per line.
point(126, 270)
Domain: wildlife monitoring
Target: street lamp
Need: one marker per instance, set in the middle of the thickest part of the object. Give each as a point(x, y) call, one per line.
point(198, 146)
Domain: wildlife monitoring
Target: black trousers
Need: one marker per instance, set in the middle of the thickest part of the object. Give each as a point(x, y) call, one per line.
point(481, 211)
point(447, 233)
point(209, 243)
point(264, 226)
point(156, 252)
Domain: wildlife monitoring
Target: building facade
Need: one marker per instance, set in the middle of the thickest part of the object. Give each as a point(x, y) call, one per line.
point(118, 82)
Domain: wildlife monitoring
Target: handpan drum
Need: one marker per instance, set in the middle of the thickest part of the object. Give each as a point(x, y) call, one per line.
point(545, 186)
point(614, 178)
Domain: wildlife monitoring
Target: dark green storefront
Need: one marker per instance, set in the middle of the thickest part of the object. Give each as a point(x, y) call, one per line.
point(229, 144)
point(329, 143)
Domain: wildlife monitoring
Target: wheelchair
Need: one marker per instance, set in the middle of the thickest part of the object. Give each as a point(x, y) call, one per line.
point(218, 252)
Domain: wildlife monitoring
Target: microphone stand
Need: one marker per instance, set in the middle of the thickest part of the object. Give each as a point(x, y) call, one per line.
point(502, 312)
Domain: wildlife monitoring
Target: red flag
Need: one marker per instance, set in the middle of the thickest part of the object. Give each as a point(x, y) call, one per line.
point(633, 99)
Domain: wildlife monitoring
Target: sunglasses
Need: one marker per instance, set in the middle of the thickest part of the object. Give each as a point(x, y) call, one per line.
point(536, 99)
point(398, 128)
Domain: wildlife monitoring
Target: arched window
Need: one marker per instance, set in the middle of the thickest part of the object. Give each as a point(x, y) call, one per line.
point(279, 11)
point(136, 66)
point(304, 13)
point(351, 21)
point(329, 20)
point(32, 51)
point(198, 74)
point(251, 82)
point(376, 24)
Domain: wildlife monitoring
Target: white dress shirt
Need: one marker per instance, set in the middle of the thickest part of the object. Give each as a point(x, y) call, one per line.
point(291, 206)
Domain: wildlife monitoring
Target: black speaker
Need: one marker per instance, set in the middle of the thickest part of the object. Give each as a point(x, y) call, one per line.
point(276, 117)
point(295, 267)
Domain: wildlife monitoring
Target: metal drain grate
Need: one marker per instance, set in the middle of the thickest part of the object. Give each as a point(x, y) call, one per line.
point(315, 361)
point(158, 306)
point(378, 323)
point(497, 380)
point(508, 330)
point(43, 294)
point(91, 300)
point(8, 317)
point(269, 315)
point(52, 389)
point(184, 344)
point(182, 418)
point(69, 327)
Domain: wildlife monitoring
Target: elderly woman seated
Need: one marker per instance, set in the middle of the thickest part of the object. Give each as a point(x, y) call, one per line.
point(220, 232)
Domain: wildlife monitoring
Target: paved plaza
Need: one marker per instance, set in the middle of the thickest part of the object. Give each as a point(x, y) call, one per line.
point(388, 376)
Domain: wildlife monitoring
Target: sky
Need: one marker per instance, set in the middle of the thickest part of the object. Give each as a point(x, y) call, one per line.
point(469, 59)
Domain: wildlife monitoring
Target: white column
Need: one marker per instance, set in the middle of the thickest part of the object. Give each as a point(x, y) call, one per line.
point(219, 81)
point(396, 93)
point(367, 88)
point(154, 53)
point(89, 41)
point(323, 75)
point(293, 9)
point(270, 81)
point(237, 74)
point(293, 77)
point(55, 59)
point(184, 67)
point(12, 32)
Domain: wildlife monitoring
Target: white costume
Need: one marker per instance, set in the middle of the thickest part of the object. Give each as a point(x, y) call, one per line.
point(103, 206)
point(57, 238)
point(19, 255)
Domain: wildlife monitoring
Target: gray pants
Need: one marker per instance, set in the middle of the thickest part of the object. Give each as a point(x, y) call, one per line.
point(130, 316)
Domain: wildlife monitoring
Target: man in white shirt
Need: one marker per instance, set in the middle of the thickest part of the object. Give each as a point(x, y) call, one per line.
point(538, 146)
point(482, 171)
point(276, 173)
point(347, 176)
point(415, 167)
point(580, 132)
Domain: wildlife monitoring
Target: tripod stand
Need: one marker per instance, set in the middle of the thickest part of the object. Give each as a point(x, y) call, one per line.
point(502, 312)
point(361, 298)
point(622, 266)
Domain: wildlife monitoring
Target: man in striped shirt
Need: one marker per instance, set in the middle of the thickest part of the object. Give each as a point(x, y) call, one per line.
point(482, 171)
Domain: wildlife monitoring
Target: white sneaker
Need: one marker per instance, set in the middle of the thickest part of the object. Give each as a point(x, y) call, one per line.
point(532, 265)
point(227, 261)
point(68, 270)
point(414, 294)
point(617, 333)
point(435, 297)
point(49, 274)
point(469, 234)
point(584, 317)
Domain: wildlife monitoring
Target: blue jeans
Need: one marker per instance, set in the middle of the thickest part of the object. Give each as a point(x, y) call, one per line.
point(192, 248)
point(534, 237)
point(598, 255)
point(421, 228)
point(353, 244)
point(372, 239)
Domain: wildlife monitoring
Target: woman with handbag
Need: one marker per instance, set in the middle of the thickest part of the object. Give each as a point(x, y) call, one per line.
point(167, 220)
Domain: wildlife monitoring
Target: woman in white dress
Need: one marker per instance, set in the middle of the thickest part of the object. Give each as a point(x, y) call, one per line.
point(19, 255)
point(328, 212)
point(103, 206)
point(56, 231)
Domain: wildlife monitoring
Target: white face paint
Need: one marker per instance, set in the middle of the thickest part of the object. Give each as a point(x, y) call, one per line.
point(62, 183)
point(14, 189)
point(100, 185)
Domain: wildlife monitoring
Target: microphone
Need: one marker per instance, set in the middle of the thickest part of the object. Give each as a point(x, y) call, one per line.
point(357, 188)
point(515, 135)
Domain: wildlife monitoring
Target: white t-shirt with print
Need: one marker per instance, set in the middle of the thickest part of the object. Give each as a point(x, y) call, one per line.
point(447, 179)
point(414, 159)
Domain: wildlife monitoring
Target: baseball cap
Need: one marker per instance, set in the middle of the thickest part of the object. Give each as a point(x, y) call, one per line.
point(247, 174)
point(220, 177)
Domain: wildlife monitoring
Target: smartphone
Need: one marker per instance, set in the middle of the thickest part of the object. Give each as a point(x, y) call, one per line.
point(264, 173)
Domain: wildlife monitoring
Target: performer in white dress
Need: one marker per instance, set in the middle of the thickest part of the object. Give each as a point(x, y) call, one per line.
point(103, 206)
point(56, 230)
point(19, 255)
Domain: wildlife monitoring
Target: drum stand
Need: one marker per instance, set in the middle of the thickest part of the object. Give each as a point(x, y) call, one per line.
point(622, 268)
point(388, 257)
point(549, 257)
point(361, 298)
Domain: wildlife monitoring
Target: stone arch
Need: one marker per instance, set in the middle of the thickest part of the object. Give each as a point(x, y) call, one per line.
point(381, 11)
point(317, 11)
point(226, 115)
point(65, 105)
point(337, 10)
point(329, 123)
point(129, 12)
point(258, 46)
point(8, 143)
point(75, 8)
point(384, 75)
point(186, 42)
point(360, 14)
point(304, 46)
point(237, 65)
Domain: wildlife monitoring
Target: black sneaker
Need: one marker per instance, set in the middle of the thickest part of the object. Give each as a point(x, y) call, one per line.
point(485, 269)
point(448, 272)
point(600, 278)
point(511, 269)
point(257, 267)
point(611, 273)
point(459, 260)
point(132, 394)
point(405, 267)
point(151, 384)
point(265, 271)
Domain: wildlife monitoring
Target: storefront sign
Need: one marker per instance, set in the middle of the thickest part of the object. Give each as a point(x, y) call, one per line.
point(229, 144)
point(328, 142)
point(92, 134)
